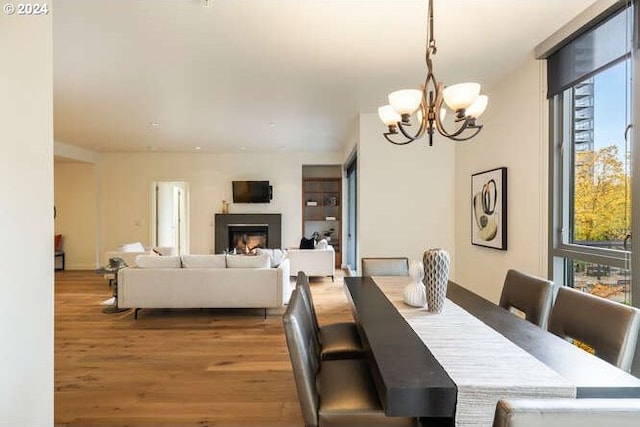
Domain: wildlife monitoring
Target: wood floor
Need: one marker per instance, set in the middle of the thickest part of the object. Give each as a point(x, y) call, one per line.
point(200, 368)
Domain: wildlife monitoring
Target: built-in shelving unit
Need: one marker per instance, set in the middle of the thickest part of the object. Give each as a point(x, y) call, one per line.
point(322, 210)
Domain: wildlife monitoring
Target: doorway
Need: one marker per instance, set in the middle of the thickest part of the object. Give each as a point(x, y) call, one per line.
point(169, 216)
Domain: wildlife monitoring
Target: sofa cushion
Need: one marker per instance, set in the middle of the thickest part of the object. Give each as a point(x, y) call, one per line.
point(204, 261)
point(276, 256)
point(155, 261)
point(248, 261)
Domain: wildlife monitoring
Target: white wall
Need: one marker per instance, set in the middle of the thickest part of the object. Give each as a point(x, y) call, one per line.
point(515, 135)
point(406, 194)
point(76, 205)
point(26, 215)
point(127, 181)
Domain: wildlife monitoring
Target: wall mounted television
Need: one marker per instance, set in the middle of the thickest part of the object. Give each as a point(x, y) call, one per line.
point(252, 192)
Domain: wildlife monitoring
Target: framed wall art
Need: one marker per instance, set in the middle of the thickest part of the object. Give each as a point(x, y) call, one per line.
point(489, 208)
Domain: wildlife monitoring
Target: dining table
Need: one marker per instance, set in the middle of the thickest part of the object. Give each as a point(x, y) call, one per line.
point(455, 365)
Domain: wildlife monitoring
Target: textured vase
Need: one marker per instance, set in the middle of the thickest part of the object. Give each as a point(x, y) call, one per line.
point(414, 292)
point(437, 265)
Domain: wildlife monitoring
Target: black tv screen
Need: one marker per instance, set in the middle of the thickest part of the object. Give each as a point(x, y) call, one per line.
point(252, 192)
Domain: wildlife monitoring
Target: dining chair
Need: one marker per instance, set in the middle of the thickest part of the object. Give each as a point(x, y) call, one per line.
point(332, 393)
point(608, 327)
point(337, 340)
point(531, 295)
point(385, 267)
point(567, 413)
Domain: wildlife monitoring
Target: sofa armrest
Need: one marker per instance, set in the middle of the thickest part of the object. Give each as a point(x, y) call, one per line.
point(283, 277)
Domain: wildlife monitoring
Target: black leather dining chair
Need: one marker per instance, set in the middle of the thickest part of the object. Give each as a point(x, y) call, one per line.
point(531, 295)
point(384, 266)
point(610, 328)
point(337, 340)
point(332, 393)
point(567, 413)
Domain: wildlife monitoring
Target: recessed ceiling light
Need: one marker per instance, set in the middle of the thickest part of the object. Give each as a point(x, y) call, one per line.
point(272, 125)
point(243, 148)
point(154, 124)
point(197, 148)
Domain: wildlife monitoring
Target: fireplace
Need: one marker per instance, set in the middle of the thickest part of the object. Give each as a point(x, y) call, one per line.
point(246, 238)
point(253, 226)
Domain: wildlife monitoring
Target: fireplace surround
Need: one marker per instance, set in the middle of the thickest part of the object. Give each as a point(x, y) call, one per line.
point(250, 226)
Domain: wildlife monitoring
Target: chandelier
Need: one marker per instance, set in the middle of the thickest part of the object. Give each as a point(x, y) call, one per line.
point(425, 107)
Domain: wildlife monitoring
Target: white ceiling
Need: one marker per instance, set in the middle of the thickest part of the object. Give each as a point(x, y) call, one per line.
point(217, 77)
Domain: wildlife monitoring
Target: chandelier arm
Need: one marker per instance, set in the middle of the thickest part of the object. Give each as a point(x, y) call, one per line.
point(467, 124)
point(407, 135)
point(388, 138)
point(476, 130)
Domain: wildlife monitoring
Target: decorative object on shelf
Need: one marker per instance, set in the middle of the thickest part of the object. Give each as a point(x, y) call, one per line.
point(312, 203)
point(464, 99)
point(225, 207)
point(332, 201)
point(327, 234)
point(437, 265)
point(489, 208)
point(414, 292)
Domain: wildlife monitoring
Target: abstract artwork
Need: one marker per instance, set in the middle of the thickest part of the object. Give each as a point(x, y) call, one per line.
point(489, 208)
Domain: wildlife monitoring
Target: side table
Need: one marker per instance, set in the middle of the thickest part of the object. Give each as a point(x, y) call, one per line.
point(112, 308)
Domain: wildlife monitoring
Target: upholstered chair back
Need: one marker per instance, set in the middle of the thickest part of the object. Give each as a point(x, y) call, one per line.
point(529, 294)
point(610, 328)
point(302, 284)
point(567, 413)
point(385, 267)
point(304, 353)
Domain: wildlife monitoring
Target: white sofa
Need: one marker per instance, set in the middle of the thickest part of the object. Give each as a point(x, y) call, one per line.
point(313, 262)
point(203, 281)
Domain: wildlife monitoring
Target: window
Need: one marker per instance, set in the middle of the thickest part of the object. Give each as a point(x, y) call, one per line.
point(590, 94)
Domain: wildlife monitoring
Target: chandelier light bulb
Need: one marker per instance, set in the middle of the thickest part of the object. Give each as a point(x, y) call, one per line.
point(405, 101)
point(388, 115)
point(476, 109)
point(461, 96)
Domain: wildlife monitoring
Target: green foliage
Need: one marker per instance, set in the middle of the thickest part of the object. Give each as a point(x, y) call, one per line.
point(602, 198)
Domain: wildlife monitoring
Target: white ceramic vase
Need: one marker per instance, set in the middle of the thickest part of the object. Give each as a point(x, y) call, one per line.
point(437, 265)
point(414, 292)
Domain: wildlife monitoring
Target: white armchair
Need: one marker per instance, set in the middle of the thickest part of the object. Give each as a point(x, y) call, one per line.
point(313, 262)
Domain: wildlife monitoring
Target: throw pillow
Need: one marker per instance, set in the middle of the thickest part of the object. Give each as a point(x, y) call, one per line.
point(322, 244)
point(155, 261)
point(276, 256)
point(307, 243)
point(204, 261)
point(245, 261)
